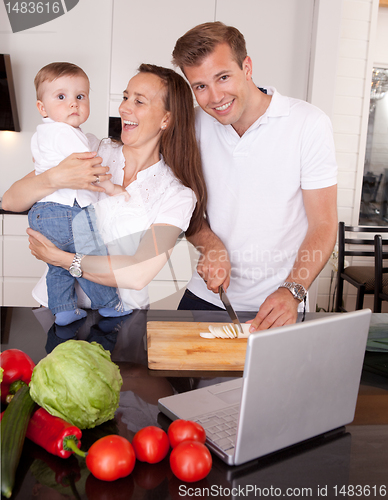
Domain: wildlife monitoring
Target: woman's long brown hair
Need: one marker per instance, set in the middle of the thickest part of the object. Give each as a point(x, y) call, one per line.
point(178, 144)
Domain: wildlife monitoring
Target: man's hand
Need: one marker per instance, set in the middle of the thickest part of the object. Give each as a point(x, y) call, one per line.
point(214, 264)
point(280, 308)
point(214, 267)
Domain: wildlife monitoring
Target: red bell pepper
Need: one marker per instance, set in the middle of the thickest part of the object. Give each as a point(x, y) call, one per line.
point(17, 366)
point(54, 434)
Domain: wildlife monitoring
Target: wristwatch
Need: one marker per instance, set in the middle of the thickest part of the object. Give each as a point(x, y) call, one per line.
point(75, 268)
point(297, 290)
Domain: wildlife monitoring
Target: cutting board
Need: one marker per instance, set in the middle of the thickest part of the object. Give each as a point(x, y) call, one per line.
point(178, 346)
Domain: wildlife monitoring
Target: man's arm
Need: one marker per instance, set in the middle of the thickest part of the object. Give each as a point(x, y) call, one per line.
point(213, 265)
point(281, 308)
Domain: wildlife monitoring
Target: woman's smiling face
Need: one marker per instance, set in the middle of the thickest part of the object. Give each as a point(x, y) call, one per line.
point(142, 111)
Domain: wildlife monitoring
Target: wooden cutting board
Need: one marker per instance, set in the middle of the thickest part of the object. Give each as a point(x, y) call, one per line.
point(178, 346)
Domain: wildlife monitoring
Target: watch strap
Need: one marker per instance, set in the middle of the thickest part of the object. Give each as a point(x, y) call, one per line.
point(297, 290)
point(76, 265)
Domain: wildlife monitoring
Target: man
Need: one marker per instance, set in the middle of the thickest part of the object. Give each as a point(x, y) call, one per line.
point(270, 170)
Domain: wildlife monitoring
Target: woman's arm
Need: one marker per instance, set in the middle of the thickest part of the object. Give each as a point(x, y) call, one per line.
point(123, 271)
point(78, 171)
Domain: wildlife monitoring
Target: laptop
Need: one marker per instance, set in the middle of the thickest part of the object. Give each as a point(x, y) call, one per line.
point(300, 381)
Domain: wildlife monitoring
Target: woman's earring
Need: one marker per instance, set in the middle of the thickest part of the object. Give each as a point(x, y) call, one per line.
point(164, 127)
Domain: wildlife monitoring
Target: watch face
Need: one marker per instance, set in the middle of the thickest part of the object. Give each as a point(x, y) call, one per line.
point(299, 292)
point(75, 272)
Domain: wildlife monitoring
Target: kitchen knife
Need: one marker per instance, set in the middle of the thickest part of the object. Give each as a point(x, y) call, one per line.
point(229, 309)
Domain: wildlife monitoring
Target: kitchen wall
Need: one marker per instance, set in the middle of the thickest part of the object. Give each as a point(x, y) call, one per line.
point(89, 46)
point(359, 44)
point(82, 36)
point(378, 138)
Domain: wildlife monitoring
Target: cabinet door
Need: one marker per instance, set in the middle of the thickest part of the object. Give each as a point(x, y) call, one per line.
point(18, 292)
point(17, 259)
point(1, 260)
point(146, 33)
point(21, 271)
point(278, 37)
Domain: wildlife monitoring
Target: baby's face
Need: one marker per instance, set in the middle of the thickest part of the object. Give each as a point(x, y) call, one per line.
point(65, 100)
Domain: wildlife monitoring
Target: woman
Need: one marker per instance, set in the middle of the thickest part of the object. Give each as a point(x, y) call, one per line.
point(158, 164)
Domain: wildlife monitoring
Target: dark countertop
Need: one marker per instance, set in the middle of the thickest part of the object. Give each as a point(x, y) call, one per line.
point(12, 213)
point(319, 468)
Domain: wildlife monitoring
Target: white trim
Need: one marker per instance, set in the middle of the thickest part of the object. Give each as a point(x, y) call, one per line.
point(365, 114)
point(324, 54)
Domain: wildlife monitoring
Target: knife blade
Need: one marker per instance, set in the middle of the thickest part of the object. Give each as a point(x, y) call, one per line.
point(229, 308)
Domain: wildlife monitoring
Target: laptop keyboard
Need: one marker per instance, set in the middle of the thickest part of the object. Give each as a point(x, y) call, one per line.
point(221, 426)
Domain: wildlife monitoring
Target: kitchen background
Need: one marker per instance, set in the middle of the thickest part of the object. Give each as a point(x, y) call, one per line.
point(319, 50)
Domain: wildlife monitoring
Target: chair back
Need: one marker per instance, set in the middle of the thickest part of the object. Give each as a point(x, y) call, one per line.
point(350, 244)
point(381, 254)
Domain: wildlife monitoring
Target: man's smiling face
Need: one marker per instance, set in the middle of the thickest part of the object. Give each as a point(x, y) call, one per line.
point(220, 86)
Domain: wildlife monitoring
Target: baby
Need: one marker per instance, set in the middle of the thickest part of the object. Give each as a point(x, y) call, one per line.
point(62, 91)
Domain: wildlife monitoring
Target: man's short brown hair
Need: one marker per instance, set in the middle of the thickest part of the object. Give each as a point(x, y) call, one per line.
point(56, 70)
point(199, 42)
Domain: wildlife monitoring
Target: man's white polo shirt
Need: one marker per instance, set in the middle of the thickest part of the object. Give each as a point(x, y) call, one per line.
point(255, 183)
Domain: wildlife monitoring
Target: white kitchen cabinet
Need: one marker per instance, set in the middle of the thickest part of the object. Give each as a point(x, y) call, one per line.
point(147, 34)
point(167, 288)
point(21, 271)
point(1, 259)
point(278, 35)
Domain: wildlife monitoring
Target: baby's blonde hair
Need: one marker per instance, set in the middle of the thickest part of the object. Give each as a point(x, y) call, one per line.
point(56, 70)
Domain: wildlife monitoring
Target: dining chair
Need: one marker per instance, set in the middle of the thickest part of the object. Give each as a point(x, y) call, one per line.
point(381, 272)
point(356, 241)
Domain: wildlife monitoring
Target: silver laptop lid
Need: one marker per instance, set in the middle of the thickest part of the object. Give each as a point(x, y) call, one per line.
point(300, 381)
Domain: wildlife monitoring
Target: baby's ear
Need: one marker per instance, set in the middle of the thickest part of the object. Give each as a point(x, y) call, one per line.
point(41, 109)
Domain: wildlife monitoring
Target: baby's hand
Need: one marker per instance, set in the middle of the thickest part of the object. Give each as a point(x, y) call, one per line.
point(120, 191)
point(114, 189)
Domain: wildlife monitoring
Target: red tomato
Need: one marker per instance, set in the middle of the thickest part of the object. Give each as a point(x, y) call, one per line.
point(111, 458)
point(185, 430)
point(190, 461)
point(151, 444)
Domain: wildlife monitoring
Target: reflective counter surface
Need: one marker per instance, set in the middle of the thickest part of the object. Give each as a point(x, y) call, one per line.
point(352, 463)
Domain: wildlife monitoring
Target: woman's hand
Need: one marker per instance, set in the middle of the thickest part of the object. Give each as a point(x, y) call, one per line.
point(79, 171)
point(43, 249)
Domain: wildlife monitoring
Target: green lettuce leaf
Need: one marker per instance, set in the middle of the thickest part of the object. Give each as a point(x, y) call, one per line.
point(78, 382)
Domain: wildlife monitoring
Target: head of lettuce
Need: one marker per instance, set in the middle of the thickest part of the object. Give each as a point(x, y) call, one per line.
point(78, 382)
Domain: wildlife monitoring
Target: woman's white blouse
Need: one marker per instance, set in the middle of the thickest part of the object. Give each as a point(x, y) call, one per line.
point(156, 197)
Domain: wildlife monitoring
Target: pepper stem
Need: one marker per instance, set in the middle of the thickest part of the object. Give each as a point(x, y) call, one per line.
point(70, 444)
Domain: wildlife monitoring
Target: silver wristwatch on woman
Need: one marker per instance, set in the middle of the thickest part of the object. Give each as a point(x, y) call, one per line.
point(75, 268)
point(297, 290)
